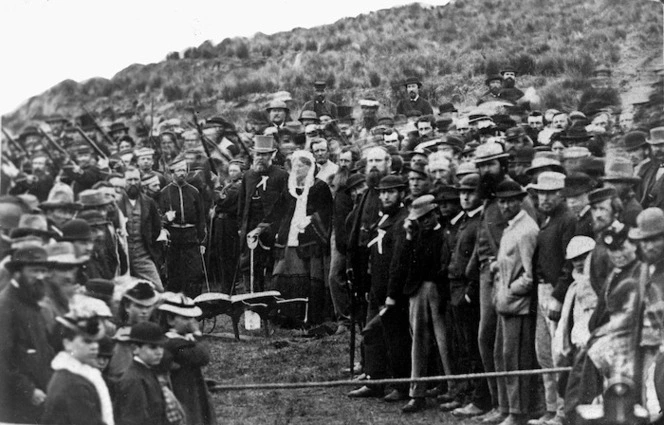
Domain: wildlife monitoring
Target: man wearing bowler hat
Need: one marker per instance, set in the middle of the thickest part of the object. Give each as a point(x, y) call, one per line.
point(509, 90)
point(414, 102)
point(553, 276)
point(320, 104)
point(577, 187)
point(278, 112)
point(25, 352)
point(620, 175)
point(260, 189)
point(652, 173)
point(183, 215)
point(637, 149)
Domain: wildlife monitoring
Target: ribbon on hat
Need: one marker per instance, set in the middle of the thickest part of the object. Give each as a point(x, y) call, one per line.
point(263, 182)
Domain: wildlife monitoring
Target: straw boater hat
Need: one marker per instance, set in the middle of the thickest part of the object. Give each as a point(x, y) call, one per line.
point(179, 304)
point(650, 223)
point(421, 207)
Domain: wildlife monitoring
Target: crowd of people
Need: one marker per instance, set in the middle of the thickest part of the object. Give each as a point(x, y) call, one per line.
point(495, 239)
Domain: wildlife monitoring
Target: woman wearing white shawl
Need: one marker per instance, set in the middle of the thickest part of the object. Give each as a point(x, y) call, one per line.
point(302, 240)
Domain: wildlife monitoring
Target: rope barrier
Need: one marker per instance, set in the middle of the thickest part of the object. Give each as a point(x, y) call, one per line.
point(346, 383)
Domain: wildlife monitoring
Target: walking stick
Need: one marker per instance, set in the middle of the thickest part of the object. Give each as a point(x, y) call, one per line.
point(252, 320)
point(207, 279)
point(351, 296)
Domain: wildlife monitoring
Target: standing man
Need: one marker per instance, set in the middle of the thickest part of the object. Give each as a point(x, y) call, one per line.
point(553, 276)
point(320, 104)
point(260, 190)
point(509, 91)
point(321, 150)
point(278, 112)
point(652, 186)
point(143, 227)
point(25, 353)
point(415, 101)
point(183, 216)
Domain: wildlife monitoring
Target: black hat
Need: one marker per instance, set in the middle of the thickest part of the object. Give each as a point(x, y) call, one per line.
point(469, 182)
point(445, 193)
point(634, 140)
point(27, 256)
point(599, 195)
point(447, 107)
point(510, 189)
point(320, 83)
point(147, 333)
point(106, 345)
point(76, 230)
point(391, 182)
point(575, 134)
point(515, 133)
point(142, 293)
point(577, 183)
point(413, 80)
point(524, 155)
point(417, 169)
point(491, 78)
point(354, 180)
point(101, 289)
point(453, 140)
point(508, 69)
point(117, 126)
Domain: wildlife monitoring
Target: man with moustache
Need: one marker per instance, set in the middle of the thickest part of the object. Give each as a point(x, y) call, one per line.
point(509, 91)
point(39, 182)
point(319, 103)
point(553, 277)
point(577, 187)
point(414, 101)
point(321, 150)
point(260, 190)
point(183, 216)
point(492, 163)
point(652, 186)
point(386, 336)
point(25, 353)
point(365, 217)
point(143, 227)
point(278, 112)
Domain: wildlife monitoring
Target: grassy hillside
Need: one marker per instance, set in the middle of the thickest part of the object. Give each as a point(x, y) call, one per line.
point(554, 45)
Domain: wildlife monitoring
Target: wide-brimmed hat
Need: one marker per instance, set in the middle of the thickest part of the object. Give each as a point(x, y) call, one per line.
point(577, 183)
point(578, 246)
point(92, 198)
point(510, 189)
point(602, 194)
point(60, 196)
point(308, 115)
point(634, 140)
point(264, 144)
point(413, 80)
point(179, 304)
point(620, 170)
point(354, 180)
point(277, 104)
point(650, 223)
point(656, 136)
point(31, 225)
point(76, 230)
point(466, 168)
point(90, 327)
point(541, 162)
point(63, 254)
point(147, 333)
point(469, 182)
point(391, 182)
point(27, 256)
point(549, 181)
point(142, 292)
point(489, 152)
point(421, 207)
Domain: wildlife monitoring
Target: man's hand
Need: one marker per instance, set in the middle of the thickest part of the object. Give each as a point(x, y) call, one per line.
point(202, 248)
point(170, 215)
point(38, 397)
point(553, 309)
point(389, 301)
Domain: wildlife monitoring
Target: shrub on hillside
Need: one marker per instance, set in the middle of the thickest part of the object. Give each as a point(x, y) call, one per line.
point(173, 56)
point(172, 92)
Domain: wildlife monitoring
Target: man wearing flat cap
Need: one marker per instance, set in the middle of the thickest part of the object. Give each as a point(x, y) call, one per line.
point(259, 192)
point(320, 104)
point(183, 215)
point(25, 352)
point(415, 101)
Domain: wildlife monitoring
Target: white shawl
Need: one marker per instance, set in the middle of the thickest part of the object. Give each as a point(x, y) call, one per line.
point(64, 361)
point(300, 220)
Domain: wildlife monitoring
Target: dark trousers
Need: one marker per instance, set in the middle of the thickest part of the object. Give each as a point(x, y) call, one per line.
point(487, 330)
point(185, 269)
point(466, 321)
point(515, 350)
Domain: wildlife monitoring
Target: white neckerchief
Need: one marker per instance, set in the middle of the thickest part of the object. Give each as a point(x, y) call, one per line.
point(64, 361)
point(299, 221)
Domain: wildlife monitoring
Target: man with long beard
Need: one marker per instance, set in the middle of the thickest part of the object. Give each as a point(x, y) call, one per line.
point(366, 216)
point(39, 182)
point(25, 352)
point(143, 227)
point(509, 91)
point(260, 190)
point(492, 163)
point(184, 217)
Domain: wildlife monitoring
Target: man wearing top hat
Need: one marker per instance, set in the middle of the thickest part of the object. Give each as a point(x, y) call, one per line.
point(552, 275)
point(259, 191)
point(415, 101)
point(183, 215)
point(652, 185)
point(320, 104)
point(25, 352)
